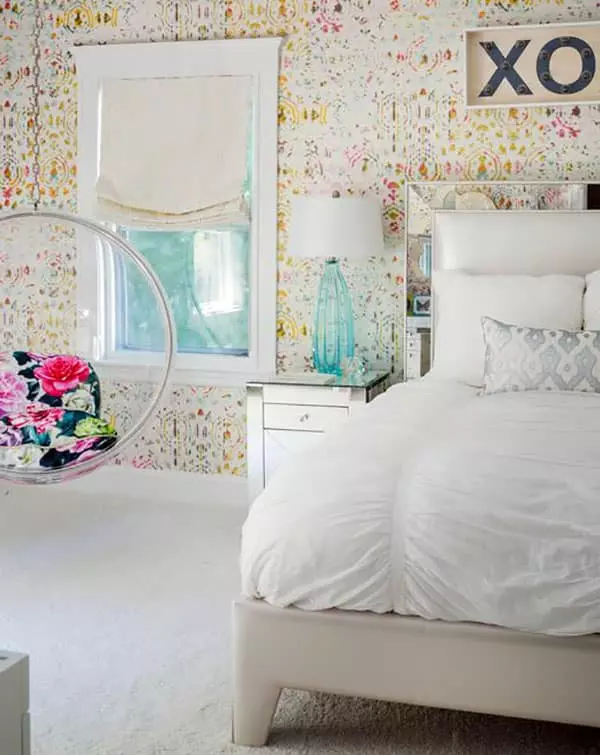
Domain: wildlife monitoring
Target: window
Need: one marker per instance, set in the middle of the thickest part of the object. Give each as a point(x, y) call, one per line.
point(218, 267)
point(205, 277)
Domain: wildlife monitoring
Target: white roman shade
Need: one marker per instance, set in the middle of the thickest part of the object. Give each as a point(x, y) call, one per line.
point(174, 151)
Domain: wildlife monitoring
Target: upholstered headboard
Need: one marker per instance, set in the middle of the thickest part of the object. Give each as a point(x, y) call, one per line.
point(515, 243)
point(520, 242)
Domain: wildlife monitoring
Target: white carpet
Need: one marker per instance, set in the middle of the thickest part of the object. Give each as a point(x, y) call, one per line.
point(124, 609)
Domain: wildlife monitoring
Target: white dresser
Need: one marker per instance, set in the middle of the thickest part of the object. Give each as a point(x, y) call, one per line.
point(287, 413)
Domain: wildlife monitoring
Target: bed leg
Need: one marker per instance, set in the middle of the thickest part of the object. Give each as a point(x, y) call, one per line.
point(254, 705)
point(256, 688)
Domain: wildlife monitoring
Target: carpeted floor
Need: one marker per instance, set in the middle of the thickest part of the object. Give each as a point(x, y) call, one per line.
point(124, 609)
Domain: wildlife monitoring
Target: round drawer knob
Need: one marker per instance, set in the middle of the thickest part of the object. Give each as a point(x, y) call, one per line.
point(305, 417)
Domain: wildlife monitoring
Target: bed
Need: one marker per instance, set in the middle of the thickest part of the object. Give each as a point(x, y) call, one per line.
point(445, 548)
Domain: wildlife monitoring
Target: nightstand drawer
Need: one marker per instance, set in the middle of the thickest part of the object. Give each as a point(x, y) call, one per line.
point(302, 417)
point(305, 394)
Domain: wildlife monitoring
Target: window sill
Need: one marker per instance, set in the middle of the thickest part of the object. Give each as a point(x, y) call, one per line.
point(178, 375)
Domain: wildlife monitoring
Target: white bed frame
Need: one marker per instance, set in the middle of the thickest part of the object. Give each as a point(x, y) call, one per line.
point(462, 666)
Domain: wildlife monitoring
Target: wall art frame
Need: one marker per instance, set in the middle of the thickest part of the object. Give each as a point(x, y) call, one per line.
point(532, 65)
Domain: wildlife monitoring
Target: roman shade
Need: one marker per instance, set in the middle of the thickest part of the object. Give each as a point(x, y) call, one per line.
point(174, 151)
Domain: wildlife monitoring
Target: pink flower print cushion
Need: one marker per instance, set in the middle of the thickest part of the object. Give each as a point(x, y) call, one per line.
point(50, 411)
point(60, 374)
point(10, 436)
point(13, 393)
point(37, 415)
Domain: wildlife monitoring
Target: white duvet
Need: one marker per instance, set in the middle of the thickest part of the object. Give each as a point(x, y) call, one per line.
point(439, 503)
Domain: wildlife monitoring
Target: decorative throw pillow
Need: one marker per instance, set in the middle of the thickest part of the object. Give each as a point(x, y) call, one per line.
point(50, 410)
point(462, 299)
point(518, 358)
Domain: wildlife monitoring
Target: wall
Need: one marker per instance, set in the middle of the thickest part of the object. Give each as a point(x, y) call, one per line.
point(370, 92)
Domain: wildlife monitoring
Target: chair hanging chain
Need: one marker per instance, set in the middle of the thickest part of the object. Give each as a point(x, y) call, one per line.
point(36, 110)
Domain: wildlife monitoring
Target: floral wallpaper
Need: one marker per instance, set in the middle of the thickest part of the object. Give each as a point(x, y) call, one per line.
point(370, 95)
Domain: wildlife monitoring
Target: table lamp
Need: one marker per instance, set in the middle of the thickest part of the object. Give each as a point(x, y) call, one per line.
point(334, 227)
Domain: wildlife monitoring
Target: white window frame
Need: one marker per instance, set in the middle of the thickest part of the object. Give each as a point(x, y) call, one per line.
point(258, 58)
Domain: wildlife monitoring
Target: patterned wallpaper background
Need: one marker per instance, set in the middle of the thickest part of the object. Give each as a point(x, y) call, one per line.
point(370, 94)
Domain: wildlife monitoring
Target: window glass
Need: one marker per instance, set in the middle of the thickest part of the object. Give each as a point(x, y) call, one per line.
point(205, 275)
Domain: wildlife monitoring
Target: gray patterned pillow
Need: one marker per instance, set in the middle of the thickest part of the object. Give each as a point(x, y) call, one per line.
point(536, 359)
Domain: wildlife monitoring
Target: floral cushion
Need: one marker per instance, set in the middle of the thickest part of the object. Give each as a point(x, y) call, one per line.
point(50, 410)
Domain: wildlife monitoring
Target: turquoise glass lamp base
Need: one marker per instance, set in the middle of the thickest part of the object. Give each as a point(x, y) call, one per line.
point(333, 335)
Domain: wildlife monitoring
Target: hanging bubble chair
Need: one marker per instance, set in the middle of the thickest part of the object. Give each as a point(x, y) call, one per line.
point(76, 387)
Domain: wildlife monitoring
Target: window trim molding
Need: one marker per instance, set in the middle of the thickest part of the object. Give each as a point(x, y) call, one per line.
point(258, 58)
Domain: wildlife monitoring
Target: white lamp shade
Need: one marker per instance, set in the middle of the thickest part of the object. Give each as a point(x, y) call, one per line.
point(349, 227)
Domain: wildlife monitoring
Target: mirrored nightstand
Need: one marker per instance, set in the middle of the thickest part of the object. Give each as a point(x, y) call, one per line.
point(286, 413)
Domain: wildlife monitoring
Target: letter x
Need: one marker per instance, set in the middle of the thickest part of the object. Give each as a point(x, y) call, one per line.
point(505, 68)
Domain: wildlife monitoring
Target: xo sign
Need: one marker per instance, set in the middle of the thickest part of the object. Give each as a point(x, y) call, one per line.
point(532, 65)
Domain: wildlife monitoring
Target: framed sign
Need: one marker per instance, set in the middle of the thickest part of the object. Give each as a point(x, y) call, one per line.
point(517, 66)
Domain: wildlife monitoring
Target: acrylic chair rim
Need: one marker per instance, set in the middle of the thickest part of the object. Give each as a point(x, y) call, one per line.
point(54, 475)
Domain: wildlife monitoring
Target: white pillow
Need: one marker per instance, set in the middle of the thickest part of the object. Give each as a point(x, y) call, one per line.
point(461, 300)
point(591, 301)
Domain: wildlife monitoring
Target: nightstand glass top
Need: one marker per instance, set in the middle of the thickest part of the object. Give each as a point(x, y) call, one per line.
point(368, 380)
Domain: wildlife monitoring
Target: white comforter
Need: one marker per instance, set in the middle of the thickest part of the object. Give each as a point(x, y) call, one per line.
point(438, 503)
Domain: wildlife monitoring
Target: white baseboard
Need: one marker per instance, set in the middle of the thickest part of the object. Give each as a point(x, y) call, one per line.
point(158, 485)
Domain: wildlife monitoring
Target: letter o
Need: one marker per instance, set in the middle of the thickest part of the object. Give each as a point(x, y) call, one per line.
point(588, 65)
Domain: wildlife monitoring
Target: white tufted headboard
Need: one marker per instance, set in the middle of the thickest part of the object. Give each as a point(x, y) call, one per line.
point(538, 242)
